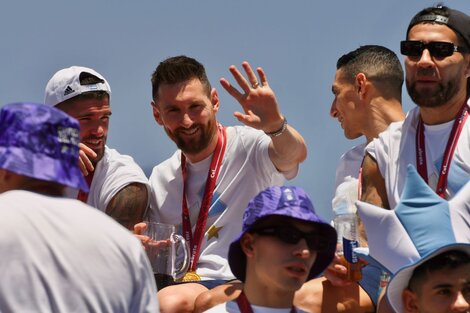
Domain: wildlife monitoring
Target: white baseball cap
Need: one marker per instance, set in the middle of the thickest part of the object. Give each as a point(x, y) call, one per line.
point(65, 84)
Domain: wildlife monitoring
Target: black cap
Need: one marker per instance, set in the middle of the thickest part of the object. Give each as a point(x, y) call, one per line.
point(457, 21)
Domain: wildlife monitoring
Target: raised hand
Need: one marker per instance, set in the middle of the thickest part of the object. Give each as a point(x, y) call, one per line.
point(261, 110)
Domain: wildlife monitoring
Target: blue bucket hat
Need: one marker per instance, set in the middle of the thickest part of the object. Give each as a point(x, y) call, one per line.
point(286, 201)
point(41, 142)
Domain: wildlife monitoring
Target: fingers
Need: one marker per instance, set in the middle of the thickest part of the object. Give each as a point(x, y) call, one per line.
point(248, 119)
point(240, 79)
point(262, 76)
point(246, 85)
point(85, 163)
point(251, 75)
point(139, 228)
point(336, 275)
point(230, 89)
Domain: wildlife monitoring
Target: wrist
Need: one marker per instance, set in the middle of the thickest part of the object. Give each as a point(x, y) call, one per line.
point(278, 131)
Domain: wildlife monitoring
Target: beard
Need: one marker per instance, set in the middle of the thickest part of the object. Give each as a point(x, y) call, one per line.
point(435, 96)
point(99, 151)
point(197, 144)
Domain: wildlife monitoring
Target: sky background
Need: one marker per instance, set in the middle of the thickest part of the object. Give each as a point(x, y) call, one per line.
point(296, 42)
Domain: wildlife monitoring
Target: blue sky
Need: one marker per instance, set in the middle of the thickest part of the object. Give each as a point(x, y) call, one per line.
point(296, 42)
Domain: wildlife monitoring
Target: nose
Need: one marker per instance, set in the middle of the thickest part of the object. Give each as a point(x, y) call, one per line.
point(98, 129)
point(333, 110)
point(425, 60)
point(302, 250)
point(461, 305)
point(186, 120)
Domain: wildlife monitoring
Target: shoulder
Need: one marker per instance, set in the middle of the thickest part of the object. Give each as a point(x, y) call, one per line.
point(112, 156)
point(356, 153)
point(246, 138)
point(170, 165)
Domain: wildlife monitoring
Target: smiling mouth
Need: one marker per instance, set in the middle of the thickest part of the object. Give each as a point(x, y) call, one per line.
point(189, 132)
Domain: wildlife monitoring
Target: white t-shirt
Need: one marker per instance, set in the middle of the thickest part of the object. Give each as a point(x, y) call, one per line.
point(396, 148)
point(349, 164)
point(112, 173)
point(232, 307)
point(61, 255)
point(246, 170)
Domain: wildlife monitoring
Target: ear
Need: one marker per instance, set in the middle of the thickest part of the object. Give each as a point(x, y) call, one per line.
point(156, 113)
point(467, 70)
point(246, 242)
point(215, 100)
point(409, 299)
point(362, 85)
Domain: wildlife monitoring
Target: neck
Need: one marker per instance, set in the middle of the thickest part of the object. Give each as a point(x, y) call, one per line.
point(380, 114)
point(444, 113)
point(267, 296)
point(206, 152)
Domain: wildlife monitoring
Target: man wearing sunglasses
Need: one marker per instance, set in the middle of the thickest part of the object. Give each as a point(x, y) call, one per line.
point(283, 243)
point(435, 136)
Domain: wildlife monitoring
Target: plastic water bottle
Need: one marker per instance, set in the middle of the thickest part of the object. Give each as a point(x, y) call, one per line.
point(346, 222)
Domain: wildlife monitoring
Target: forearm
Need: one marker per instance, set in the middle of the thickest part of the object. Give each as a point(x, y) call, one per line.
point(288, 149)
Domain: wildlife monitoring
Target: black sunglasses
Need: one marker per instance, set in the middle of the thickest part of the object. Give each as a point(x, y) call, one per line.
point(438, 49)
point(291, 235)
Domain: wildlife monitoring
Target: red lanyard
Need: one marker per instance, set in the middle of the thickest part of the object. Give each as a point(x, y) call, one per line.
point(448, 153)
point(245, 306)
point(216, 162)
point(83, 196)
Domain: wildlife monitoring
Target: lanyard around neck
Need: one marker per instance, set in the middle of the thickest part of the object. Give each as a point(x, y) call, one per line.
point(216, 162)
point(448, 153)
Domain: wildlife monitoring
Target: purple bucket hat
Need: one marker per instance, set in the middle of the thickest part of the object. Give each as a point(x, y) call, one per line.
point(286, 201)
point(41, 142)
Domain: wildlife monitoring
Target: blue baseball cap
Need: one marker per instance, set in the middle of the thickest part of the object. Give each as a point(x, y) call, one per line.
point(41, 142)
point(286, 201)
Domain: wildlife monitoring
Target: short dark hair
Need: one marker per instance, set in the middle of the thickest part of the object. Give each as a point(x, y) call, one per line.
point(380, 65)
point(86, 79)
point(444, 11)
point(176, 70)
point(446, 260)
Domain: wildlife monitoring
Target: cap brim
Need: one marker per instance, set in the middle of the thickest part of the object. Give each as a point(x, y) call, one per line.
point(401, 279)
point(237, 259)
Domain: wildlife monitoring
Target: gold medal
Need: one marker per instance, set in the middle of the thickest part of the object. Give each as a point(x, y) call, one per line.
point(190, 276)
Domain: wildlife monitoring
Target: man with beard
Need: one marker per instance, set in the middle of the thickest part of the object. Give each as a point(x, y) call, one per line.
point(435, 136)
point(205, 186)
point(118, 186)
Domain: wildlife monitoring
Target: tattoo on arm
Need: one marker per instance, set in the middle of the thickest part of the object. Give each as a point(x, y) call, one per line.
point(129, 205)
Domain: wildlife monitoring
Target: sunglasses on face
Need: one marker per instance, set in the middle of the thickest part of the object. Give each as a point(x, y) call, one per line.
point(291, 235)
point(438, 49)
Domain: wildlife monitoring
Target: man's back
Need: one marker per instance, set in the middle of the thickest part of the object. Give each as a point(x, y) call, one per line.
point(60, 255)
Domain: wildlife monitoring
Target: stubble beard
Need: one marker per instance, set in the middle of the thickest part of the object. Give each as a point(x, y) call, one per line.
point(433, 97)
point(196, 145)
